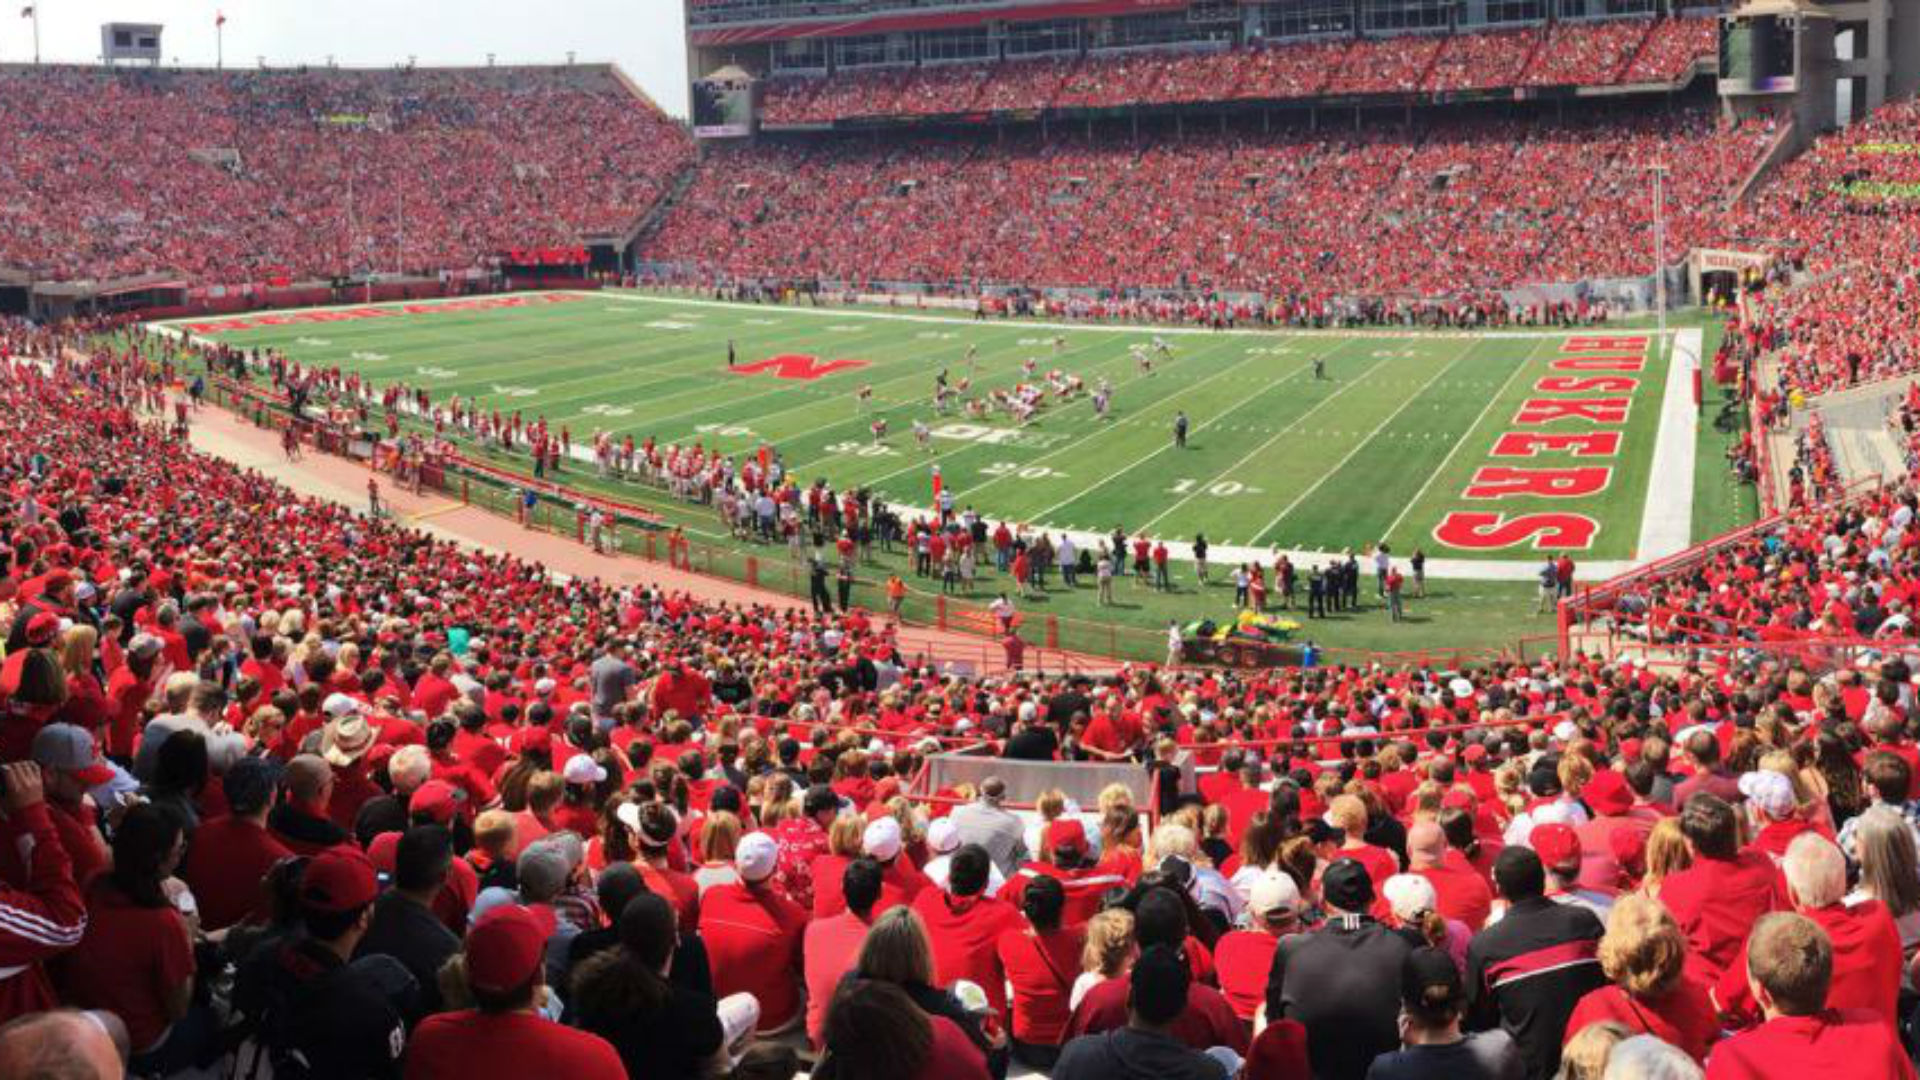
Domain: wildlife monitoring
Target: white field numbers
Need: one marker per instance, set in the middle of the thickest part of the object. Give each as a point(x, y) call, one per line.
point(1219, 489)
point(731, 431)
point(1015, 471)
point(859, 449)
point(606, 410)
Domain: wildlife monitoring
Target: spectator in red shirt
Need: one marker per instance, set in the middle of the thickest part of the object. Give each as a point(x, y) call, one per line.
point(231, 855)
point(831, 946)
point(964, 925)
point(1208, 1020)
point(1789, 974)
point(47, 915)
point(70, 765)
point(300, 819)
point(656, 828)
point(1464, 895)
point(1042, 960)
point(504, 1034)
point(128, 688)
point(1348, 813)
point(1717, 899)
point(801, 840)
point(136, 959)
point(754, 937)
point(1644, 953)
point(901, 881)
point(1243, 959)
point(1865, 945)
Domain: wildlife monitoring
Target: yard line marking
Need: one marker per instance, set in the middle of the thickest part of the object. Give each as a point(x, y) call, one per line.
point(1361, 445)
point(1461, 441)
point(1264, 443)
point(1164, 447)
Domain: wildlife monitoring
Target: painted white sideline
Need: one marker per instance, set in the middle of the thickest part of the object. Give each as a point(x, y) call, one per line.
point(1666, 523)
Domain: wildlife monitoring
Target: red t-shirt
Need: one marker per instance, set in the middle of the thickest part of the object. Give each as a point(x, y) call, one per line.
point(1242, 959)
point(1381, 864)
point(952, 1056)
point(1866, 965)
point(82, 841)
point(1042, 969)
point(1463, 894)
point(830, 948)
point(675, 886)
point(225, 865)
point(476, 1046)
point(1856, 1045)
point(1208, 1020)
point(754, 938)
point(130, 958)
point(1716, 902)
point(964, 932)
point(1684, 1016)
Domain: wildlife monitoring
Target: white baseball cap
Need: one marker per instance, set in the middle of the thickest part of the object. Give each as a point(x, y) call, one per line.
point(882, 838)
point(756, 856)
point(581, 769)
point(943, 836)
point(1770, 792)
point(1273, 891)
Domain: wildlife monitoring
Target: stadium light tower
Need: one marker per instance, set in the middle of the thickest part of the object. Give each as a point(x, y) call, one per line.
point(1659, 171)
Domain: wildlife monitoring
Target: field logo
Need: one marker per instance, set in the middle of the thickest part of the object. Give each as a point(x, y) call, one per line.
point(798, 366)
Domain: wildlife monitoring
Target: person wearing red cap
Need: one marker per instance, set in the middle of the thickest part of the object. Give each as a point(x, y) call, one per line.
point(307, 998)
point(1559, 849)
point(504, 1035)
point(1066, 857)
point(1617, 808)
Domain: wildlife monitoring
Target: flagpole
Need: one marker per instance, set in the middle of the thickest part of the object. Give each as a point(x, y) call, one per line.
point(36, 34)
point(219, 44)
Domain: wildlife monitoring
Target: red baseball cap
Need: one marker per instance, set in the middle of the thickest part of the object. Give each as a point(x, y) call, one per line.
point(339, 879)
point(1557, 845)
point(1608, 794)
point(437, 799)
point(1067, 834)
point(504, 949)
point(383, 851)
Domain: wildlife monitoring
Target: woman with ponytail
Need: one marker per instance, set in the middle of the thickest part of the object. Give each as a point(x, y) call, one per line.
point(1041, 960)
point(1414, 904)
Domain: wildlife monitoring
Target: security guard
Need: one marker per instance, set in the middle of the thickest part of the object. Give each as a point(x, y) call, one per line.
point(311, 1012)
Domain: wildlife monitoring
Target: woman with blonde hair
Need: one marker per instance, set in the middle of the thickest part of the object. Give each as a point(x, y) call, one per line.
point(86, 706)
point(1667, 854)
point(1108, 953)
point(1644, 953)
point(844, 837)
point(1585, 1055)
point(1120, 842)
point(719, 839)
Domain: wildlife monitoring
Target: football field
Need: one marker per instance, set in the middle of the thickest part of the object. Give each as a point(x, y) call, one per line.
point(1484, 449)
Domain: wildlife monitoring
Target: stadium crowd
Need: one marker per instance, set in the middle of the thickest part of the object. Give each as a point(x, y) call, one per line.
point(244, 177)
point(1845, 213)
point(1566, 53)
point(1460, 205)
point(320, 792)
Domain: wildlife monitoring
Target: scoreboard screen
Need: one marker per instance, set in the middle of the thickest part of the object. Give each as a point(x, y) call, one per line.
point(722, 108)
point(1758, 51)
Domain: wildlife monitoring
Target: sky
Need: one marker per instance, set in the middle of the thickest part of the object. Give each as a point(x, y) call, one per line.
point(645, 37)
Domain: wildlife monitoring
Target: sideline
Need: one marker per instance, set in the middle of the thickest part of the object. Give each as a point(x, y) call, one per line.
point(1666, 522)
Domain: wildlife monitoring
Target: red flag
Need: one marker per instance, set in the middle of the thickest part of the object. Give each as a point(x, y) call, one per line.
point(219, 19)
point(27, 12)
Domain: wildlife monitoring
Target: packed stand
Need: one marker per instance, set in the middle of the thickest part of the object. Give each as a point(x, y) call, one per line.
point(271, 800)
point(1456, 206)
point(1566, 53)
point(1844, 212)
point(251, 176)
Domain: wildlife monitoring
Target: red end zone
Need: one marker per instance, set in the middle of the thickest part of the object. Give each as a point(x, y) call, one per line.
point(379, 311)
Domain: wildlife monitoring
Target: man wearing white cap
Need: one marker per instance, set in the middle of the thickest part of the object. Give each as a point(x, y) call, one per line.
point(943, 839)
point(1244, 958)
point(754, 936)
point(900, 880)
point(1773, 811)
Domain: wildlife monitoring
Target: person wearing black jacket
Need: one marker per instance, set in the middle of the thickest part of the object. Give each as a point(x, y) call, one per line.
point(1526, 972)
point(1342, 981)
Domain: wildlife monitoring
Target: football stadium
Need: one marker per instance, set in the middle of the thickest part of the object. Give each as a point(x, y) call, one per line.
point(963, 539)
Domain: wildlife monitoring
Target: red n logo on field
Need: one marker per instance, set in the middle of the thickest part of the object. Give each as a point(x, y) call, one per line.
point(797, 366)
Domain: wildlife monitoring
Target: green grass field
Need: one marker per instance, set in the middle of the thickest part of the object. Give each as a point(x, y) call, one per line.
point(1382, 448)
